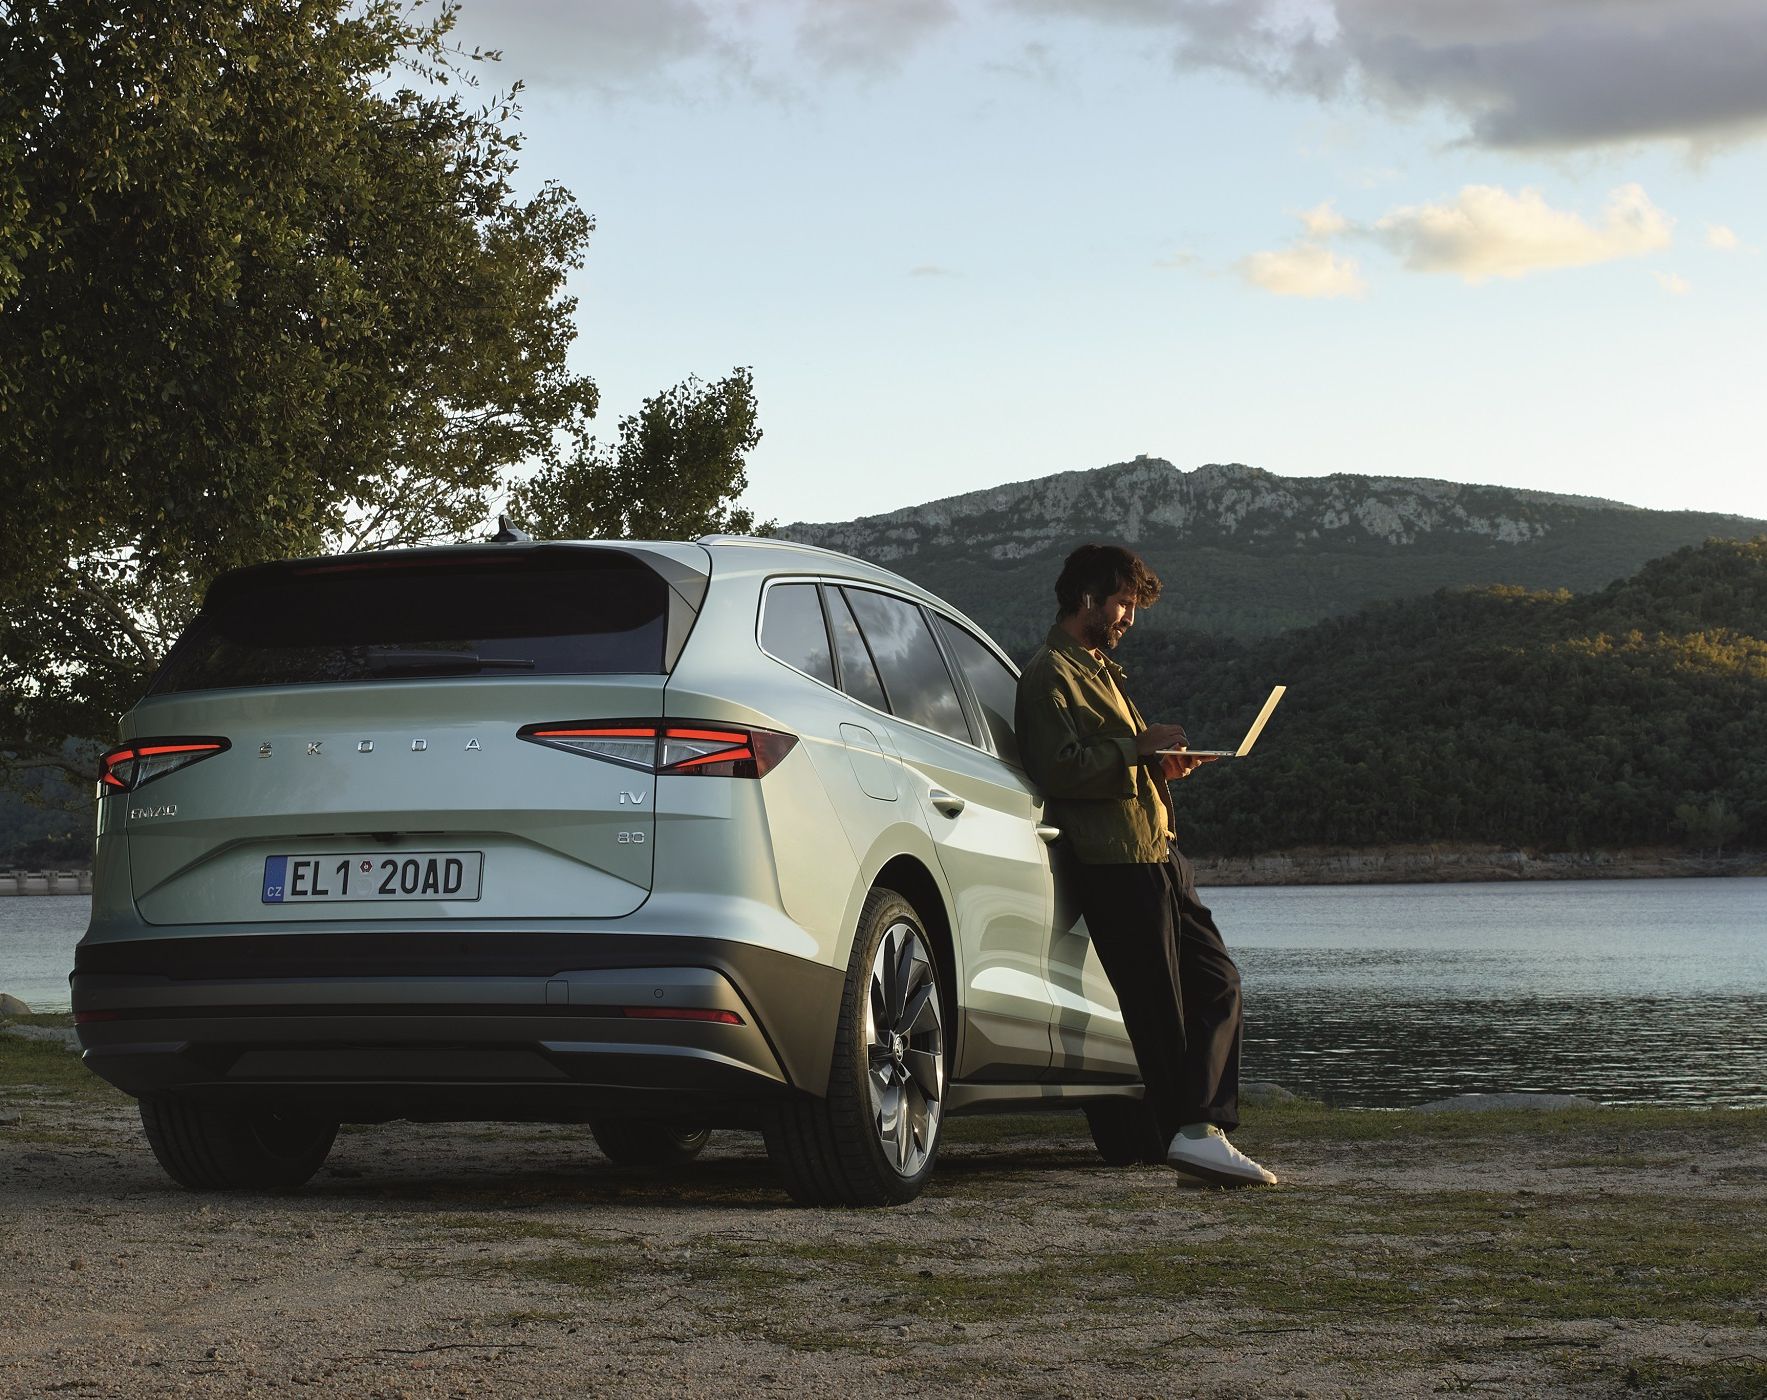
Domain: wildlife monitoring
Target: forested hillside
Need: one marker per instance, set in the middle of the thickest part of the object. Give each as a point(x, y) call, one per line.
point(1632, 715)
point(51, 835)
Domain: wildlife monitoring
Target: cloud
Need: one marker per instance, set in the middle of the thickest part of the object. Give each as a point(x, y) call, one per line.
point(1673, 283)
point(1487, 232)
point(930, 270)
point(1322, 221)
point(1183, 257)
point(1722, 237)
point(1303, 270)
point(631, 47)
point(868, 36)
point(611, 44)
point(1560, 74)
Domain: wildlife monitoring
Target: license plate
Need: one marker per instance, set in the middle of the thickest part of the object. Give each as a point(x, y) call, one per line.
point(372, 876)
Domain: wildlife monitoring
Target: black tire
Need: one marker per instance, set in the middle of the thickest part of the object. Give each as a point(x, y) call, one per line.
point(1125, 1133)
point(212, 1149)
point(848, 1148)
point(647, 1142)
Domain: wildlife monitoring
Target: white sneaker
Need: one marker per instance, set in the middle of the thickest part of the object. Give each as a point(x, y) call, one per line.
point(1215, 1159)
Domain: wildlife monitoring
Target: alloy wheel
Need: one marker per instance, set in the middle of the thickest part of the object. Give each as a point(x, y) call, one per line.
point(905, 1048)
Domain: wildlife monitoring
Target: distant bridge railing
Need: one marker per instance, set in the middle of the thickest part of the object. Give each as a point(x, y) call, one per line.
point(45, 882)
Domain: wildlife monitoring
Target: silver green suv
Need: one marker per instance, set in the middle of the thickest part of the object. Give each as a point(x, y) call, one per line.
point(661, 837)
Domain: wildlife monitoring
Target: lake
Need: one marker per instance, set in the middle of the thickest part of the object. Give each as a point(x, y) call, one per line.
point(1626, 991)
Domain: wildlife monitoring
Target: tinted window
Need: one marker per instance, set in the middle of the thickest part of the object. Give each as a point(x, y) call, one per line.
point(914, 674)
point(402, 620)
point(858, 675)
point(792, 629)
point(995, 687)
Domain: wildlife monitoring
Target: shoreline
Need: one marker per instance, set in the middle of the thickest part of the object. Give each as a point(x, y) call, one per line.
point(1435, 865)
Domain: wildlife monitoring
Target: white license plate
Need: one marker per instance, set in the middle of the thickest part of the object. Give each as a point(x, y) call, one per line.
point(372, 876)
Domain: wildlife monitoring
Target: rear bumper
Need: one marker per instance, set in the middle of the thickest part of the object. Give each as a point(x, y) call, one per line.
point(459, 1026)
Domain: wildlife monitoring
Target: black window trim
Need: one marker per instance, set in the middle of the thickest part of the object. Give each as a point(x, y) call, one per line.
point(834, 659)
point(972, 710)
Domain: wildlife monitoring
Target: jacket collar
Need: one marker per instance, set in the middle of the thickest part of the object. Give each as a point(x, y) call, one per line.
point(1062, 644)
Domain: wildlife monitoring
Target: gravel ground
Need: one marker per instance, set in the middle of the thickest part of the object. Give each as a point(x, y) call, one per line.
point(1596, 1255)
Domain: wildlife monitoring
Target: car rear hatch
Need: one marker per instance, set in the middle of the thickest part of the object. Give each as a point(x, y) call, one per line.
point(376, 738)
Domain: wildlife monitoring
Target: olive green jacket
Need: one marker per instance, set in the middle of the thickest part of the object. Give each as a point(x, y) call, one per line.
point(1076, 737)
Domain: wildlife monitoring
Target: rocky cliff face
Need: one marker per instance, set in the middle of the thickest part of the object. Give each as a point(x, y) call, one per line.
point(1249, 552)
point(1149, 498)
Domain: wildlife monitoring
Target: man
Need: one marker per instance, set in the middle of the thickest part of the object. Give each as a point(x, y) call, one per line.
point(1099, 766)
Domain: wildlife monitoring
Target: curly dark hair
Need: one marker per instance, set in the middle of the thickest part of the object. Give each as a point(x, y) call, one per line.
point(1099, 571)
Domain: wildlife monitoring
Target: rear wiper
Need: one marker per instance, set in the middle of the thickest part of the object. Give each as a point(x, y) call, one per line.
point(403, 662)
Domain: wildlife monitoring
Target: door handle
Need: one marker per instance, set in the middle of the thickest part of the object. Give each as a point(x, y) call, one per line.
point(1048, 833)
point(947, 802)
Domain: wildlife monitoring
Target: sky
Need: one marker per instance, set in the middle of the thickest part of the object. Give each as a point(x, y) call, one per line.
point(967, 242)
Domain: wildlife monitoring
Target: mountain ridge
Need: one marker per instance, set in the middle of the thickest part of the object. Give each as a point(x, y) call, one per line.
point(1214, 532)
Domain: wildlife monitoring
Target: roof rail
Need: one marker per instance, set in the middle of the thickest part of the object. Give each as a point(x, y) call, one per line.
point(778, 542)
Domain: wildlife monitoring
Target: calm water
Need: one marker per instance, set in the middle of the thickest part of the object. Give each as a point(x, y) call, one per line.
point(1627, 991)
point(37, 937)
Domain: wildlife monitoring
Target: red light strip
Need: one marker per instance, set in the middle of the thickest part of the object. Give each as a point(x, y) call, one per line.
point(728, 736)
point(682, 1013)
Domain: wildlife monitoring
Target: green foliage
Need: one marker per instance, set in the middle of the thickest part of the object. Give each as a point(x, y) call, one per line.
point(1636, 715)
point(257, 298)
point(46, 824)
point(1707, 826)
point(676, 471)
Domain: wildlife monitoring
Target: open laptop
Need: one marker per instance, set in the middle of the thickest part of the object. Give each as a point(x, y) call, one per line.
point(1251, 735)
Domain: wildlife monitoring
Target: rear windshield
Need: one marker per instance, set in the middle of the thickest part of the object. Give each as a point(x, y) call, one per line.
point(585, 613)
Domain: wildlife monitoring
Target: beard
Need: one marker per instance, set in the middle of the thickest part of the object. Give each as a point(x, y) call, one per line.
point(1102, 636)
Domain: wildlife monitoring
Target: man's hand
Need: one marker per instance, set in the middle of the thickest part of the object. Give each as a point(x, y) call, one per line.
point(1160, 736)
point(1182, 765)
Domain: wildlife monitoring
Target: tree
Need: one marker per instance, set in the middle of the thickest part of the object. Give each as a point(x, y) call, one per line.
point(677, 470)
point(1707, 826)
point(265, 289)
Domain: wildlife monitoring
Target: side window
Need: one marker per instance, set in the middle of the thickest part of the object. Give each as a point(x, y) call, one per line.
point(914, 674)
point(792, 629)
point(995, 687)
point(858, 675)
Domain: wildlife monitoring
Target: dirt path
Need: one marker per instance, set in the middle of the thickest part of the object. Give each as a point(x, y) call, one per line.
point(1404, 1255)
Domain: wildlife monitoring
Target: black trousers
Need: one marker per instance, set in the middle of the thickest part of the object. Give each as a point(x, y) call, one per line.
point(1178, 987)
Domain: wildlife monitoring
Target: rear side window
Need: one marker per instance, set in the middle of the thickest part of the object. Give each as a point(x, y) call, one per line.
point(792, 630)
point(995, 687)
point(858, 675)
point(397, 619)
point(913, 671)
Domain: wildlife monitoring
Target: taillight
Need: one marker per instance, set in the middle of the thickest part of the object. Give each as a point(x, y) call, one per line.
point(128, 766)
point(687, 749)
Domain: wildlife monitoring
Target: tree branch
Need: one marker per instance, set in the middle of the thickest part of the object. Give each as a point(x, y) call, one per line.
point(120, 615)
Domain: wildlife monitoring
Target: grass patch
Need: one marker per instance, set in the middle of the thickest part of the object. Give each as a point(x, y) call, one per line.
point(47, 1069)
point(1722, 1378)
point(1318, 1260)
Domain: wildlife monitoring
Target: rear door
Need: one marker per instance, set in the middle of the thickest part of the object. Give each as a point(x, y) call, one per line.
point(440, 735)
point(983, 817)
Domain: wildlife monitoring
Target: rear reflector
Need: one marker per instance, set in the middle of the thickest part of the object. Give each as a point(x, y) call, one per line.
point(127, 767)
point(687, 748)
point(82, 1018)
point(682, 1013)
